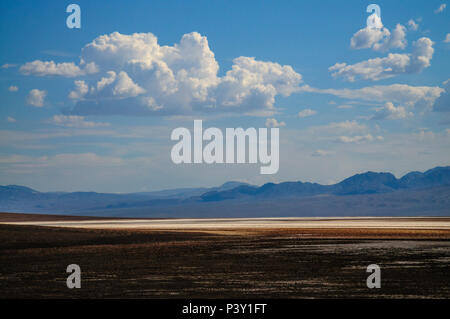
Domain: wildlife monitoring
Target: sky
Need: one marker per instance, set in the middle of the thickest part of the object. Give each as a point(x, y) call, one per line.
point(92, 109)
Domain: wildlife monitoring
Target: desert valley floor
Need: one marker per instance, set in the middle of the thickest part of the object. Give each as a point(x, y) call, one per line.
point(223, 258)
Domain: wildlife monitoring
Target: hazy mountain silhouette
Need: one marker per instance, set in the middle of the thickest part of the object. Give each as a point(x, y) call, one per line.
point(368, 193)
point(366, 183)
point(189, 192)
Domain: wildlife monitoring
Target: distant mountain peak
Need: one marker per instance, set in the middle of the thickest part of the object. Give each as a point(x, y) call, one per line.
point(433, 177)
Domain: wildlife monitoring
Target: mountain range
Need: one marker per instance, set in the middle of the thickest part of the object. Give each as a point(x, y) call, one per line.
point(366, 183)
point(366, 194)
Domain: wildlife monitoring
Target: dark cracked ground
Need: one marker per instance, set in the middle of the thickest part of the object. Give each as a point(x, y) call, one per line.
point(244, 263)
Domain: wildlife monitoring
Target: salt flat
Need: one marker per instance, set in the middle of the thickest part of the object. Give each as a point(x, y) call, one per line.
point(254, 223)
point(224, 258)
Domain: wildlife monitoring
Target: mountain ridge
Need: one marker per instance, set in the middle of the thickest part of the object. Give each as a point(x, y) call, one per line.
point(364, 183)
point(15, 198)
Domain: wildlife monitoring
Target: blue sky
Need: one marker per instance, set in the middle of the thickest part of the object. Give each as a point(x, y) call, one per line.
point(164, 63)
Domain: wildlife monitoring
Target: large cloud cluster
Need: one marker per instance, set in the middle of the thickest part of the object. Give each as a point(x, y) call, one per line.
point(379, 38)
point(137, 76)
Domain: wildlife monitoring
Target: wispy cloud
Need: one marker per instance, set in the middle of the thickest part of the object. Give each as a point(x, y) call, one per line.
point(9, 65)
point(306, 113)
point(441, 8)
point(358, 138)
point(321, 153)
point(447, 38)
point(75, 121)
point(50, 68)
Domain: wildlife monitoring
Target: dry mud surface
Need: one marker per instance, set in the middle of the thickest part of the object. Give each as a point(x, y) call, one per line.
point(238, 258)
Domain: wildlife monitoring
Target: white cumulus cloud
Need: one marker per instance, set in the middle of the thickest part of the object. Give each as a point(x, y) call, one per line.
point(36, 97)
point(13, 88)
point(389, 66)
point(274, 123)
point(412, 25)
point(125, 87)
point(379, 39)
point(81, 89)
point(49, 68)
point(138, 76)
point(390, 112)
point(403, 94)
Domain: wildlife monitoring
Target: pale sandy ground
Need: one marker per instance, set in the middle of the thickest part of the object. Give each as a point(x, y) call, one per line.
point(254, 223)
